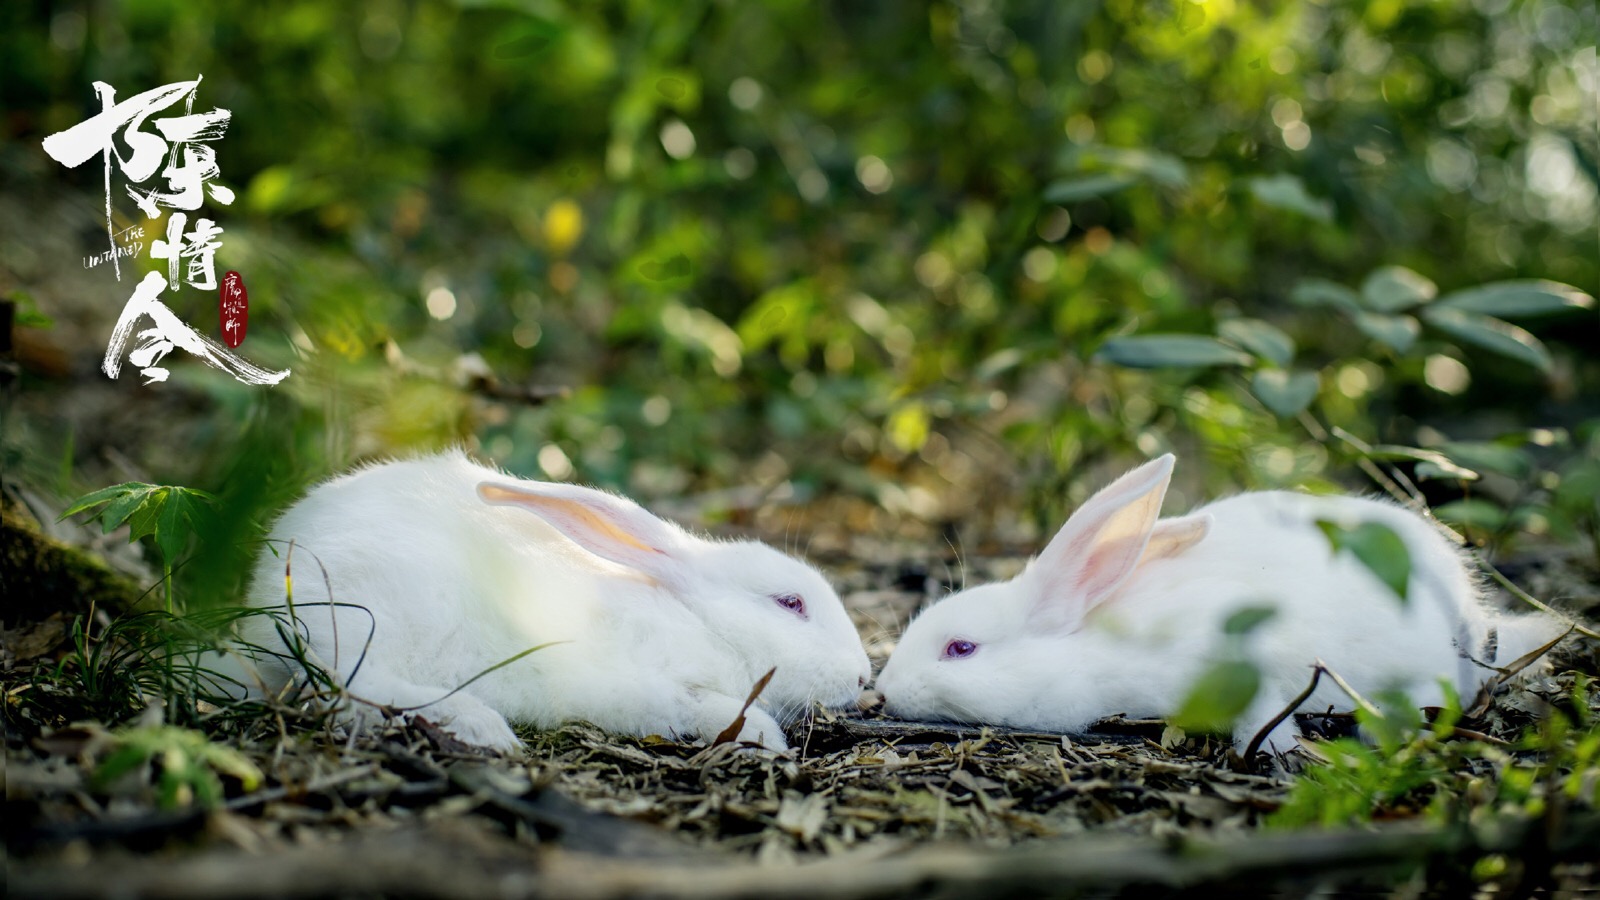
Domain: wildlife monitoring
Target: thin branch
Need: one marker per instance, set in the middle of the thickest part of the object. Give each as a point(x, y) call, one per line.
point(1254, 746)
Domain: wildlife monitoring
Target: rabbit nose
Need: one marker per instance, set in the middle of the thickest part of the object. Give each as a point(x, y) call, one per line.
point(861, 681)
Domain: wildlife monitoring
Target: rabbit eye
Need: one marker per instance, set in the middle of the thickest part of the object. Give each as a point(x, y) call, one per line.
point(792, 602)
point(959, 649)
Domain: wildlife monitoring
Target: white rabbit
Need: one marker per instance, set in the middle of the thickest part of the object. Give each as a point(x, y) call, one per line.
point(462, 566)
point(1122, 611)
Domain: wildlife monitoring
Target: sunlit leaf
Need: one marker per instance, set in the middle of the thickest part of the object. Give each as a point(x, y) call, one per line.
point(1431, 471)
point(908, 427)
point(1518, 299)
point(1377, 547)
point(1512, 461)
point(998, 363)
point(1162, 168)
point(1261, 338)
point(1496, 335)
point(1218, 697)
point(1284, 392)
point(1069, 190)
point(1286, 192)
point(1441, 465)
point(1397, 333)
point(1313, 292)
point(1390, 289)
point(1155, 351)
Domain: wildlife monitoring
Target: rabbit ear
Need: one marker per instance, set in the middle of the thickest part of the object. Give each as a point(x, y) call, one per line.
point(1171, 537)
point(610, 527)
point(1098, 548)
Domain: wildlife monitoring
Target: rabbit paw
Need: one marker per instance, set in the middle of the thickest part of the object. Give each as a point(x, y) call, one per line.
point(761, 728)
point(716, 712)
point(474, 723)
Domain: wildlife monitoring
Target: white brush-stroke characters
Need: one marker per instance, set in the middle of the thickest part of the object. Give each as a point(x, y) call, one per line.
point(189, 172)
point(168, 332)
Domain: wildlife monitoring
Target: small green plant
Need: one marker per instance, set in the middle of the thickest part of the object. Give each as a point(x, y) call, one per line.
point(1445, 775)
point(167, 514)
point(154, 655)
point(186, 763)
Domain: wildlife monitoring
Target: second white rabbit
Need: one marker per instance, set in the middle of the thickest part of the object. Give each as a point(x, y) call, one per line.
point(1123, 610)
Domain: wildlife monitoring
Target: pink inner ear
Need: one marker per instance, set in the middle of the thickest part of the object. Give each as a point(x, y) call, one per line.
point(606, 526)
point(1174, 536)
point(1099, 546)
point(1116, 546)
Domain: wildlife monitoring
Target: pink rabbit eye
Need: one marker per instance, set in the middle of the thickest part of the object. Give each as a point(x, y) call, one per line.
point(792, 602)
point(959, 649)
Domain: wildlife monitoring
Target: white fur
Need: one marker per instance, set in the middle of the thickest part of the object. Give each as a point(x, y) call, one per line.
point(664, 632)
point(1110, 619)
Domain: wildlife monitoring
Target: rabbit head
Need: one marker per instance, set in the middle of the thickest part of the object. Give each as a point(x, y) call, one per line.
point(761, 608)
point(989, 653)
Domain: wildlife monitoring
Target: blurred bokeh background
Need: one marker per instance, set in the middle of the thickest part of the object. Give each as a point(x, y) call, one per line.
point(934, 270)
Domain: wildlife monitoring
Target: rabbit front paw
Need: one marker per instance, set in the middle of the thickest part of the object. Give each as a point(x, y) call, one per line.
point(473, 722)
point(759, 728)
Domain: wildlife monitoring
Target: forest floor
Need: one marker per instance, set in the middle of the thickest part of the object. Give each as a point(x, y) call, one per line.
point(860, 807)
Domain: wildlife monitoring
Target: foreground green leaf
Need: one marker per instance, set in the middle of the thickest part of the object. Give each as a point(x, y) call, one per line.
point(1218, 697)
point(1375, 546)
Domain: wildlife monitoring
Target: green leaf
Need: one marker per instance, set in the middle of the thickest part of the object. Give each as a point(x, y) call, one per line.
point(104, 495)
point(1284, 392)
point(1156, 351)
point(1492, 334)
point(1515, 299)
point(1069, 190)
point(1162, 168)
point(1286, 192)
point(998, 363)
point(167, 512)
point(170, 533)
point(1389, 289)
point(1397, 333)
point(120, 762)
point(1247, 619)
point(1313, 292)
point(1444, 465)
point(1472, 513)
point(1377, 547)
point(142, 522)
point(1512, 461)
point(126, 506)
point(1261, 338)
point(1219, 696)
point(1432, 471)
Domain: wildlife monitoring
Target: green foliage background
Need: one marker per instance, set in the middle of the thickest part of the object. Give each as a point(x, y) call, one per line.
point(866, 249)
